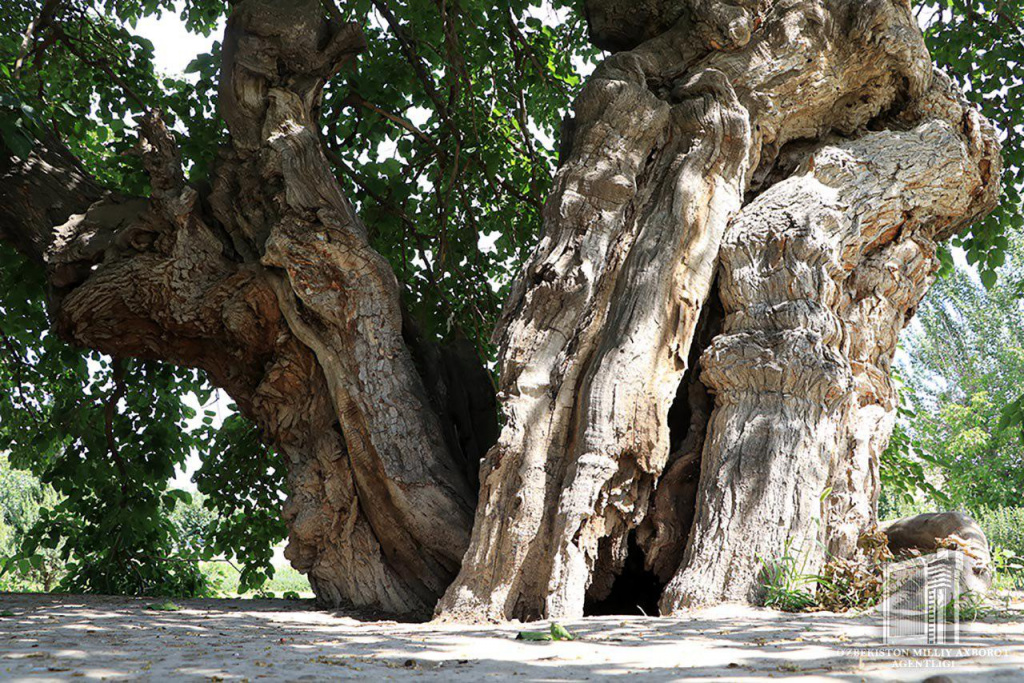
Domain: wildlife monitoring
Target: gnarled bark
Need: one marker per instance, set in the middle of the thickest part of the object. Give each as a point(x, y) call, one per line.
point(340, 298)
point(270, 285)
point(801, 149)
point(668, 138)
point(819, 274)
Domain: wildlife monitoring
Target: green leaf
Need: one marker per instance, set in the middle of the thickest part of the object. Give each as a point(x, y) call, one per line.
point(559, 632)
point(534, 636)
point(165, 606)
point(15, 138)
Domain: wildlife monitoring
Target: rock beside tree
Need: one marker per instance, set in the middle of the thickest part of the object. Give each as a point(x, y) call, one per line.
point(932, 531)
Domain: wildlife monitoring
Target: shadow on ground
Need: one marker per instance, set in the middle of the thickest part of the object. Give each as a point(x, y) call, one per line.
point(70, 637)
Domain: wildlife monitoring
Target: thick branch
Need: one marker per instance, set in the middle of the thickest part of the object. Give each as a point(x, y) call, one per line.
point(40, 192)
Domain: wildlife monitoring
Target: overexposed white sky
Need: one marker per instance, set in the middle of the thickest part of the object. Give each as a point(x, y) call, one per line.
point(173, 45)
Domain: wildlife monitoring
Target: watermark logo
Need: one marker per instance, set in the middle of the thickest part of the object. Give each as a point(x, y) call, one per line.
point(922, 599)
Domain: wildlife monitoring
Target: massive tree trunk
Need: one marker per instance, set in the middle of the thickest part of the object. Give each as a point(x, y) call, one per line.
point(268, 283)
point(809, 149)
point(792, 163)
point(818, 275)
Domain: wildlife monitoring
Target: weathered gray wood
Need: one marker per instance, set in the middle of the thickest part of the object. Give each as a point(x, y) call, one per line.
point(667, 138)
point(802, 149)
point(819, 273)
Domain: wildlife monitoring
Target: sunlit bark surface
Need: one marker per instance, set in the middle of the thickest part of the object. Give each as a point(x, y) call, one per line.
point(807, 151)
point(694, 363)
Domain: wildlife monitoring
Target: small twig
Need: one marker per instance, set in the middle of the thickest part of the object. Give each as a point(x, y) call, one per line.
point(333, 10)
point(336, 159)
point(45, 17)
point(415, 61)
point(356, 99)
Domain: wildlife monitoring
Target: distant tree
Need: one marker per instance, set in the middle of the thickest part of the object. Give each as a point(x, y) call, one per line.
point(22, 501)
point(966, 365)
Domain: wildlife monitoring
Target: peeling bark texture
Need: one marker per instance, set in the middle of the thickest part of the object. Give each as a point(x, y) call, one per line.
point(819, 273)
point(383, 511)
point(666, 528)
point(792, 162)
point(670, 138)
point(876, 305)
point(269, 284)
point(40, 192)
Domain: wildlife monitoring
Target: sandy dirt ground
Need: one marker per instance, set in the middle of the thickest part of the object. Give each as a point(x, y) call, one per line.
point(48, 637)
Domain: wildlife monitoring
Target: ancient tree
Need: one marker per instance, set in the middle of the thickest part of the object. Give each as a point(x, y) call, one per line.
point(694, 363)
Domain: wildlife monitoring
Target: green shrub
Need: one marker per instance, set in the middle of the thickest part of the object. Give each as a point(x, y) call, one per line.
point(23, 498)
point(1004, 528)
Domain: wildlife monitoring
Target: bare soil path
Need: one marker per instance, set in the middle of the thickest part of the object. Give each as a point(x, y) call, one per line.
point(75, 637)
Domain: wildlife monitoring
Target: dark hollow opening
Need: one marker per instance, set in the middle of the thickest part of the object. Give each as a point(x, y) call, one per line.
point(635, 590)
point(688, 420)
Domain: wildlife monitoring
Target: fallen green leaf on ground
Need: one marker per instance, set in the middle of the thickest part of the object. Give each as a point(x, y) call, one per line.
point(165, 606)
point(533, 635)
point(557, 632)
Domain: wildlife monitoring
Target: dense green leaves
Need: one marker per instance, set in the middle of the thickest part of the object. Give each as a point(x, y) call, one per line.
point(445, 136)
point(242, 480)
point(21, 499)
point(981, 45)
point(904, 468)
point(86, 76)
point(106, 437)
point(965, 372)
